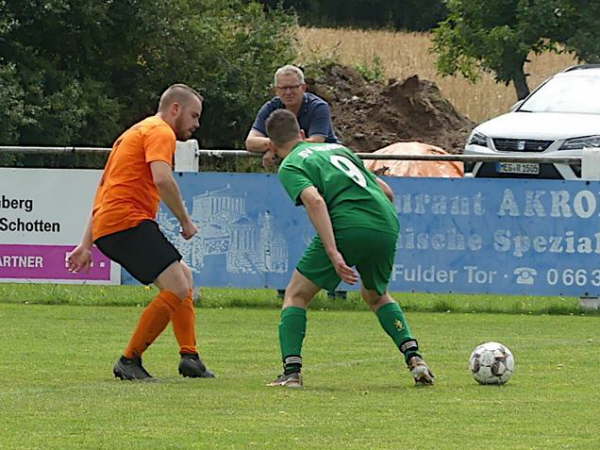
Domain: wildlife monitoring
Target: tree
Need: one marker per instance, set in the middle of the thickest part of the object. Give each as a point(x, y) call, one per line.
point(498, 35)
point(583, 41)
point(415, 15)
point(237, 51)
point(49, 44)
point(12, 110)
point(78, 71)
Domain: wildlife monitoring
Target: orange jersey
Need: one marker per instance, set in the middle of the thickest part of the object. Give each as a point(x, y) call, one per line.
point(127, 194)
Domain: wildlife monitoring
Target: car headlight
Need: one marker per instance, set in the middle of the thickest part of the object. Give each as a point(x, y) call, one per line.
point(581, 142)
point(477, 138)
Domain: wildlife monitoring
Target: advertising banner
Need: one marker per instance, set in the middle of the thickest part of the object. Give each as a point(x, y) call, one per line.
point(513, 236)
point(250, 234)
point(43, 213)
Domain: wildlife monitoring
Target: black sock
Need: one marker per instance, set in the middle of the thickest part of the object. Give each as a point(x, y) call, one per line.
point(292, 364)
point(409, 348)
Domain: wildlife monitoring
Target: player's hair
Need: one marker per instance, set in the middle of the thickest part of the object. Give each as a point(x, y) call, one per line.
point(289, 69)
point(282, 127)
point(178, 93)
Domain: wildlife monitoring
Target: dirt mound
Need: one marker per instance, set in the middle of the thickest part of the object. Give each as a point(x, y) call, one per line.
point(369, 116)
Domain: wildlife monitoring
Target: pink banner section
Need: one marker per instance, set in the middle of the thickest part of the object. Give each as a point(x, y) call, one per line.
point(47, 262)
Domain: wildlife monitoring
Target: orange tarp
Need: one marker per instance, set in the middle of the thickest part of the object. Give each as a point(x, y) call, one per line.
point(400, 168)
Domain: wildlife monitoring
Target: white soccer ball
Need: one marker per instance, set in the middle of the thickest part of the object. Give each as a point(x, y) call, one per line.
point(492, 363)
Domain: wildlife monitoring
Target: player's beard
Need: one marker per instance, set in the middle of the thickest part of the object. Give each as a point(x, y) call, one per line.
point(182, 133)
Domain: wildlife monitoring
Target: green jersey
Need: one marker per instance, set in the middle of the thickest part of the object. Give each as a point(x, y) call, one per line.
point(353, 197)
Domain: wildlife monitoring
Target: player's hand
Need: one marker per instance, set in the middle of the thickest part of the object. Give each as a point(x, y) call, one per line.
point(79, 259)
point(345, 272)
point(188, 229)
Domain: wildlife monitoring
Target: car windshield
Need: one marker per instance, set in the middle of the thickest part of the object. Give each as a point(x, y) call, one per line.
point(566, 94)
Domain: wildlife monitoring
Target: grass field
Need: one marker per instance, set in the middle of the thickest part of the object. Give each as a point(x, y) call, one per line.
point(81, 295)
point(403, 54)
point(57, 389)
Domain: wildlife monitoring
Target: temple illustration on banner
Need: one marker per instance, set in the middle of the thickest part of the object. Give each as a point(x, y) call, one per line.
point(250, 245)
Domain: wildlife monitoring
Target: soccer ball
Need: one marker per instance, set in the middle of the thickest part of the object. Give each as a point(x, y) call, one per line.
point(492, 363)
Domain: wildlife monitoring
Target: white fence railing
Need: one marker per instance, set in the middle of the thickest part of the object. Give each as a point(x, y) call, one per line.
point(188, 154)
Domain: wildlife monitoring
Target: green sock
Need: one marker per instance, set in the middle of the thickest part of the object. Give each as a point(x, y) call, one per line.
point(292, 330)
point(391, 317)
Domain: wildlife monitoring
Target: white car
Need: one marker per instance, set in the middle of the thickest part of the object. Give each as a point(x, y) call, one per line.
point(560, 117)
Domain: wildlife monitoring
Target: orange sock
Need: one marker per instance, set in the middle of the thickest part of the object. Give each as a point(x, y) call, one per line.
point(184, 325)
point(152, 322)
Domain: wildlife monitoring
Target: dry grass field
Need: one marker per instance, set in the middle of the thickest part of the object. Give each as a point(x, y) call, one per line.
point(405, 54)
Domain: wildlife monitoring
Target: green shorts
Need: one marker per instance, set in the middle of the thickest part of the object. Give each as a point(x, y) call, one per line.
point(371, 252)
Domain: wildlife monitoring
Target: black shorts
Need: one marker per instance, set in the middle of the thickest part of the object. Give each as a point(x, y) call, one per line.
point(142, 250)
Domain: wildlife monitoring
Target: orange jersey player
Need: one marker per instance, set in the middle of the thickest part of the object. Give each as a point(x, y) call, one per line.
point(138, 174)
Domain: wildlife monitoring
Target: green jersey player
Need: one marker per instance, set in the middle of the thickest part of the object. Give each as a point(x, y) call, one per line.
point(357, 225)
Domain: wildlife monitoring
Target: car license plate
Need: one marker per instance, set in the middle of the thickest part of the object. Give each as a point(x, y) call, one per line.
point(518, 167)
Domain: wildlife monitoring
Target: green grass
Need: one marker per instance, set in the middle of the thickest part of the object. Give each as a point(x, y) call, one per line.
point(267, 298)
point(57, 390)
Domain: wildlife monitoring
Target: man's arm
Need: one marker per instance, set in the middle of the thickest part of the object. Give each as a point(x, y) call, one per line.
point(170, 194)
point(320, 126)
point(257, 141)
point(81, 258)
point(315, 138)
point(316, 209)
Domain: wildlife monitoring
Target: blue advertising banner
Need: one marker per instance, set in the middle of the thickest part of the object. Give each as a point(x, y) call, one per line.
point(250, 234)
point(513, 236)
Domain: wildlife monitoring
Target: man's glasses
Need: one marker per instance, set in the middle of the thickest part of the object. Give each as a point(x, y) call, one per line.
point(288, 88)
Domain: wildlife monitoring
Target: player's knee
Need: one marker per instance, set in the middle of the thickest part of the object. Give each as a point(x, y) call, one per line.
point(178, 288)
point(181, 291)
point(188, 274)
point(296, 297)
point(181, 287)
point(375, 300)
point(370, 297)
point(295, 301)
point(176, 280)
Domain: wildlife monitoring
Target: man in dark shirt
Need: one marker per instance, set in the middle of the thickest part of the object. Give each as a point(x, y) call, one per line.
point(313, 113)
